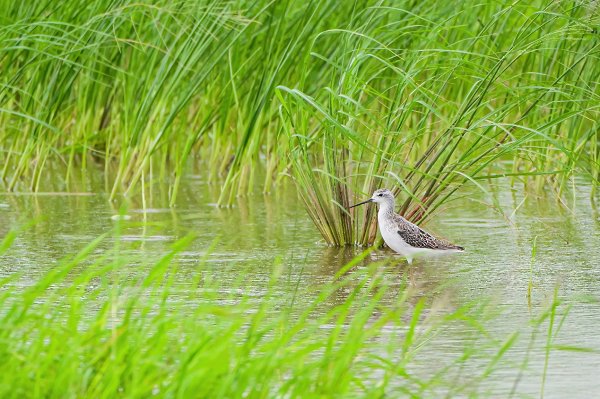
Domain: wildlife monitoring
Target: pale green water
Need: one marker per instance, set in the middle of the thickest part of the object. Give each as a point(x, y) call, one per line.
point(260, 228)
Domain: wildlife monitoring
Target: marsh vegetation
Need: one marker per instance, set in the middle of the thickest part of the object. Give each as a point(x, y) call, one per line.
point(126, 126)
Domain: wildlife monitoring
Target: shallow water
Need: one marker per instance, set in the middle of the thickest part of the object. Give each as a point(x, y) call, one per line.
point(259, 229)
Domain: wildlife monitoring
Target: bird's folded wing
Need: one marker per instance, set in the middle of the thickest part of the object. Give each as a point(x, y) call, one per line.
point(417, 238)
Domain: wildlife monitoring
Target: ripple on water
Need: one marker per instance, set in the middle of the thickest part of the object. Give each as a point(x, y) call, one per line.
point(134, 237)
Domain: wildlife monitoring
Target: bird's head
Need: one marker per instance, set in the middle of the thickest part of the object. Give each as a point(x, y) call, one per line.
point(382, 196)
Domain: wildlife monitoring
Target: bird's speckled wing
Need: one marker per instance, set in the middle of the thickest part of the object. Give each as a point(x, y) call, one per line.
point(414, 236)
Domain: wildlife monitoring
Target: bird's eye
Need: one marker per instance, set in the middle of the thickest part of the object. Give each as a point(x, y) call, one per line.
point(381, 195)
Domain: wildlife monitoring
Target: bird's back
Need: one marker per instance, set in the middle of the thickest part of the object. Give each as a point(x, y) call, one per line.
point(414, 236)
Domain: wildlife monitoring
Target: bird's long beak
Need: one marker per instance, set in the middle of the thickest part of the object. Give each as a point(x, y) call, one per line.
point(362, 203)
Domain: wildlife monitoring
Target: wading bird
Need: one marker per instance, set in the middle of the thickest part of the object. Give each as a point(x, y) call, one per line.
point(403, 236)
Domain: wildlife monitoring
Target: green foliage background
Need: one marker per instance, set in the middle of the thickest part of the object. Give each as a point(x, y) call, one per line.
point(344, 96)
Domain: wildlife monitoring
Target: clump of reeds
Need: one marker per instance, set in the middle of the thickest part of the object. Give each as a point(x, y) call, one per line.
point(425, 115)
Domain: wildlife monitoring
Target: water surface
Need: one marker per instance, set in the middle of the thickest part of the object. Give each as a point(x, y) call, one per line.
point(260, 230)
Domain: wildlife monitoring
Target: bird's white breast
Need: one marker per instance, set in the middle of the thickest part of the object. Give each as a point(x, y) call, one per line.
point(389, 232)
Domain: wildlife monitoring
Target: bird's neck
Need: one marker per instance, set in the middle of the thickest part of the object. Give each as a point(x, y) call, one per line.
point(386, 209)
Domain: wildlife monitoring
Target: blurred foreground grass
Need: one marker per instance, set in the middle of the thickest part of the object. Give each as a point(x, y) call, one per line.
point(106, 323)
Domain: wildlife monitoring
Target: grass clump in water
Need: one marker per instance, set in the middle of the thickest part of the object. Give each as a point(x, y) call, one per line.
point(455, 97)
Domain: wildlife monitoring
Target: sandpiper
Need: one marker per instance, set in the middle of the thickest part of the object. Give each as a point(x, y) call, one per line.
point(403, 236)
